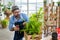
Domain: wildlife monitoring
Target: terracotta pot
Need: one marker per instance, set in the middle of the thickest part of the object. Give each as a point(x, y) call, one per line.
point(4, 26)
point(29, 37)
point(7, 13)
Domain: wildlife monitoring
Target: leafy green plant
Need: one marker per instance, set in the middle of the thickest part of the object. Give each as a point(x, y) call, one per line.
point(44, 1)
point(4, 23)
point(34, 24)
point(1, 5)
point(8, 6)
point(33, 27)
point(58, 3)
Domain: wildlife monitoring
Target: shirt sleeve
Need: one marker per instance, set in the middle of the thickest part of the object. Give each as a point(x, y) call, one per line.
point(25, 17)
point(10, 23)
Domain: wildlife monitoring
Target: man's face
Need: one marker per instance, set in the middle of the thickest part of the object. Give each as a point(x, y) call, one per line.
point(16, 12)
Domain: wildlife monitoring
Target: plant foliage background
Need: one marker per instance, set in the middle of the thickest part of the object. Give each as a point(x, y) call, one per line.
point(35, 23)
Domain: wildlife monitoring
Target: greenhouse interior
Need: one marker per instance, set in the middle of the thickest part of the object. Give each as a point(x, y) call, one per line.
point(29, 19)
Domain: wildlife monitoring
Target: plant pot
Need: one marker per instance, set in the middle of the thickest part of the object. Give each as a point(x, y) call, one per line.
point(7, 13)
point(29, 37)
point(4, 26)
point(4, 23)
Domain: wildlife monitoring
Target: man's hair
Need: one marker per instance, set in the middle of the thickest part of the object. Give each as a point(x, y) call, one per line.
point(15, 8)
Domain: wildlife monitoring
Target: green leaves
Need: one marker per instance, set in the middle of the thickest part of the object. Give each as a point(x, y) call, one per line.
point(35, 23)
point(1, 5)
point(58, 2)
point(4, 7)
point(10, 3)
point(4, 23)
point(33, 27)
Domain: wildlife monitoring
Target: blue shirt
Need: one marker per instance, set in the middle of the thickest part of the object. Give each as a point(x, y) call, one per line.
point(13, 20)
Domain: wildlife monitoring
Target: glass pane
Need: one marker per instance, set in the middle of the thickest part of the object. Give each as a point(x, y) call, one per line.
point(17, 2)
point(56, 4)
point(32, 12)
point(55, 0)
point(6, 1)
point(23, 7)
point(19, 6)
point(32, 1)
point(39, 4)
point(32, 6)
point(24, 1)
point(38, 8)
point(40, 0)
point(22, 11)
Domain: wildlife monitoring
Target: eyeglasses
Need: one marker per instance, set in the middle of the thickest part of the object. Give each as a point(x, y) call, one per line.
point(16, 11)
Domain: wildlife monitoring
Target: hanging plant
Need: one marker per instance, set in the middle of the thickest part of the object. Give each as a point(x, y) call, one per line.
point(7, 10)
point(1, 5)
point(58, 3)
point(4, 7)
point(45, 2)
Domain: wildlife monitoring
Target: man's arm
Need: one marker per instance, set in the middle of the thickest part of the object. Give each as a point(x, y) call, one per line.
point(11, 27)
point(26, 19)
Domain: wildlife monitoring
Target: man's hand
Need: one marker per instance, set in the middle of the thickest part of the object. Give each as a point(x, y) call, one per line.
point(16, 28)
point(24, 23)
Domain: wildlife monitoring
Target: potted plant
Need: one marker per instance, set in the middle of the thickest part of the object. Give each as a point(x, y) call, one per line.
point(4, 23)
point(7, 10)
point(7, 7)
point(7, 13)
point(44, 1)
point(33, 29)
point(1, 5)
point(58, 3)
point(0, 8)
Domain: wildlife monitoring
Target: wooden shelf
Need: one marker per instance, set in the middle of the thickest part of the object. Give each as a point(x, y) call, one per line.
point(51, 16)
